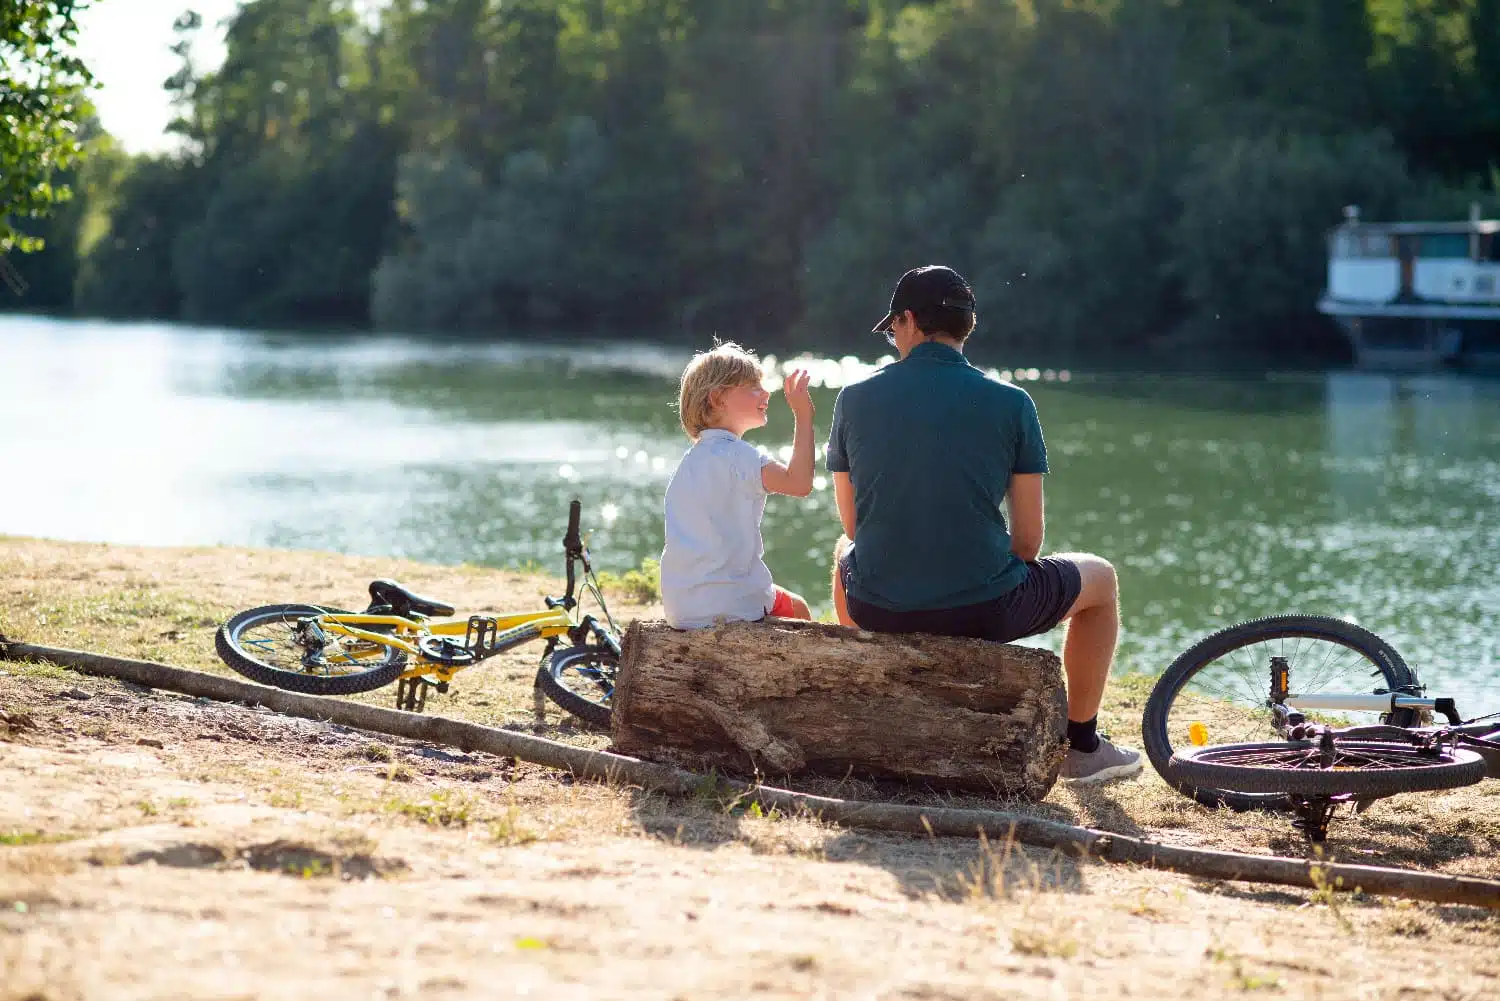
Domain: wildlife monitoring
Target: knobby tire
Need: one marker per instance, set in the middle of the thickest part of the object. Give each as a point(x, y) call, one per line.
point(1381, 655)
point(1290, 767)
point(549, 678)
point(228, 641)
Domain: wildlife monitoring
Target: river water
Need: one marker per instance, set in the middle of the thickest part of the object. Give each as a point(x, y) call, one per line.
point(1218, 497)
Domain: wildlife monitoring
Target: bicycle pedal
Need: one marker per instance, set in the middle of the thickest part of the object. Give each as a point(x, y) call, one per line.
point(411, 694)
point(480, 635)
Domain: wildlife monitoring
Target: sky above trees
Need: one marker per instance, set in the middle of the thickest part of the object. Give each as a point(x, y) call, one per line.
point(124, 43)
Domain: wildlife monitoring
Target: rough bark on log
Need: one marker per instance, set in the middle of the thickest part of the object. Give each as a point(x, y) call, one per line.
point(784, 697)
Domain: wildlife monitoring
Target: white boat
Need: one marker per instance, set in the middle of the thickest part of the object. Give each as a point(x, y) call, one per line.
point(1414, 295)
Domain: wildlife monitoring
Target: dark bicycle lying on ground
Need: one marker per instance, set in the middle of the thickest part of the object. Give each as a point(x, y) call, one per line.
point(1321, 712)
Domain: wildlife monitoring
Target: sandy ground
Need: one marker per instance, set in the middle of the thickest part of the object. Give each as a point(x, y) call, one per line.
point(157, 846)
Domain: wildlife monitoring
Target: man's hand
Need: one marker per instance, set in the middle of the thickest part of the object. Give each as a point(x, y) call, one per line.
point(797, 396)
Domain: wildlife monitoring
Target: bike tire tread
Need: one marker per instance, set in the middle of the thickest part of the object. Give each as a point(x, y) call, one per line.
point(566, 698)
point(1459, 767)
point(1154, 719)
point(292, 681)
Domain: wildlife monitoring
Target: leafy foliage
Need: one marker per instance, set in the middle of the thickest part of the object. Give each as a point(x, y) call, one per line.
point(42, 102)
point(1112, 174)
point(1244, 202)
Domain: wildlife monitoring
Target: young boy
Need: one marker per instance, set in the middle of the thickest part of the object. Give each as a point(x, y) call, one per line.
point(712, 567)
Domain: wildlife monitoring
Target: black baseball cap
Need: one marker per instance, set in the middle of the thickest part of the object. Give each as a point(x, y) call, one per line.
point(924, 288)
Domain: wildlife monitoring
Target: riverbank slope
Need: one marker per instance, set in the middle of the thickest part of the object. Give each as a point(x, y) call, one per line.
point(154, 845)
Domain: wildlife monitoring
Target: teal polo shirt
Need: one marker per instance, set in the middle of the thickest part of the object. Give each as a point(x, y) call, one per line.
point(930, 444)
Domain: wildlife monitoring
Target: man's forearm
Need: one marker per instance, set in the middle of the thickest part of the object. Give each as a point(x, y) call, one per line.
point(843, 499)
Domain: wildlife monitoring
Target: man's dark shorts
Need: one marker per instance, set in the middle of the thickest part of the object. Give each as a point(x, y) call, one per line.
point(1035, 606)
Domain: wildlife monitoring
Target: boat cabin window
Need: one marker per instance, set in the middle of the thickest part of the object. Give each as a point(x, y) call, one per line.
point(1356, 243)
point(1443, 245)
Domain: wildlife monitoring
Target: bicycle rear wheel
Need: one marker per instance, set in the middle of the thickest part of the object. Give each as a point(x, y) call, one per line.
point(581, 679)
point(1358, 768)
point(1223, 684)
point(268, 645)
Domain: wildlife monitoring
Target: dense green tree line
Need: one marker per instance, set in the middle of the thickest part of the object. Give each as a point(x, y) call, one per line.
point(1110, 173)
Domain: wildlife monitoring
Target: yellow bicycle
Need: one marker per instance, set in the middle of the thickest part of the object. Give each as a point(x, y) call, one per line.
point(419, 644)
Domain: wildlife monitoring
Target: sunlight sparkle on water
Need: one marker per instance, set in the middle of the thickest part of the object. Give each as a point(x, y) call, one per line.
point(825, 373)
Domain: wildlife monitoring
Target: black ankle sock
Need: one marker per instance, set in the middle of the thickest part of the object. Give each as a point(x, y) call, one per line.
point(1082, 736)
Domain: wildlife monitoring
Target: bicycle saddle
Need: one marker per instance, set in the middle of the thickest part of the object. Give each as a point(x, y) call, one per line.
point(401, 601)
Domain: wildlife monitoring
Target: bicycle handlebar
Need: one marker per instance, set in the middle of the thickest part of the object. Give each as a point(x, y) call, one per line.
point(572, 544)
point(571, 541)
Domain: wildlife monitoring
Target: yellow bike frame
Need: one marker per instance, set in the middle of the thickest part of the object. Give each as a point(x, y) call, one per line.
point(512, 629)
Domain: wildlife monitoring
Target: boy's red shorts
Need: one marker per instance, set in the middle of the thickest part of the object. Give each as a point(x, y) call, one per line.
point(782, 607)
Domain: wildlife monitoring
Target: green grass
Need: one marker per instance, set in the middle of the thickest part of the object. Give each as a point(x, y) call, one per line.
point(442, 808)
point(20, 839)
point(642, 585)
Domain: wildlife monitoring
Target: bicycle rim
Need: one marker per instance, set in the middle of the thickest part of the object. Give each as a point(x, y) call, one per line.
point(581, 680)
point(273, 642)
point(264, 644)
point(1219, 691)
point(1354, 768)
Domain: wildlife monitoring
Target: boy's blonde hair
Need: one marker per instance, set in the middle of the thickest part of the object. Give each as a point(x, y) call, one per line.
point(724, 366)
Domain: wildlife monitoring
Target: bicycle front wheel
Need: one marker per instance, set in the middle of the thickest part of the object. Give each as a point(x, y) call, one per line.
point(1358, 768)
point(271, 645)
point(581, 679)
point(1221, 687)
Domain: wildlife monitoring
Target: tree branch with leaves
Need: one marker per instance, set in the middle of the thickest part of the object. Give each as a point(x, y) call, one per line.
point(43, 98)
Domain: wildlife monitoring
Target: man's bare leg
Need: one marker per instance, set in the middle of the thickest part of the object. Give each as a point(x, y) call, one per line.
point(840, 603)
point(1088, 653)
point(1093, 631)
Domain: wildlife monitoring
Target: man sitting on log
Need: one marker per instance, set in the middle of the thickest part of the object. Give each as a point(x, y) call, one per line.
point(922, 454)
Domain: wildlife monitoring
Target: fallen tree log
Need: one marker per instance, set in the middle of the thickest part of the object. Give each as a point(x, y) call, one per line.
point(783, 697)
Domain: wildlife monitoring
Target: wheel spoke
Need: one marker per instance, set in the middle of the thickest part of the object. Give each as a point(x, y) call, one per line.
point(274, 641)
point(1308, 757)
point(1240, 681)
point(589, 679)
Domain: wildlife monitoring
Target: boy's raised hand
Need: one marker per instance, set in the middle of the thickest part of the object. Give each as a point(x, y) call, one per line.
point(797, 396)
point(796, 477)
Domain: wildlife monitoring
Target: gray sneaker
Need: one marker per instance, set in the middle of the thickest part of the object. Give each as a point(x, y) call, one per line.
point(1102, 764)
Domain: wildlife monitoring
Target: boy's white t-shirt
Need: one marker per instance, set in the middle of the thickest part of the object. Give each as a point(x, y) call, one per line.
point(712, 566)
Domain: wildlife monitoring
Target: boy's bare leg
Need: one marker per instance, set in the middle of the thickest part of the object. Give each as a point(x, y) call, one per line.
point(1093, 630)
point(840, 603)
